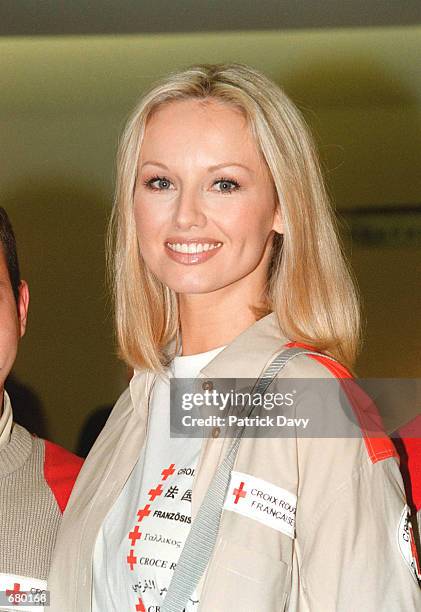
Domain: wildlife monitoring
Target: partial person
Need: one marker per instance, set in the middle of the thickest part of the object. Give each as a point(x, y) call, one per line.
point(225, 257)
point(407, 440)
point(36, 476)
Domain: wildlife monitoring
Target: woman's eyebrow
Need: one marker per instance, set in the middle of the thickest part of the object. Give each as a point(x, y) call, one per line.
point(154, 163)
point(210, 168)
point(226, 164)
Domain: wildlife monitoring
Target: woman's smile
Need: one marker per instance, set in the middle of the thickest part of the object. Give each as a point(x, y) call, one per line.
point(192, 251)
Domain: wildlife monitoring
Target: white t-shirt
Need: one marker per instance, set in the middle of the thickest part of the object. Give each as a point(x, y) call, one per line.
point(143, 535)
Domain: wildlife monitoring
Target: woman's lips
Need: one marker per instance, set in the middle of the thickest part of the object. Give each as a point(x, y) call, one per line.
point(191, 258)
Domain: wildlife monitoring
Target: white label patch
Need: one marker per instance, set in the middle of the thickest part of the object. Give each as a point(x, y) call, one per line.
point(31, 590)
point(262, 501)
point(406, 544)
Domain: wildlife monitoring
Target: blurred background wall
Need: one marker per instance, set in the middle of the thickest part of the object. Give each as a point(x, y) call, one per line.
point(67, 83)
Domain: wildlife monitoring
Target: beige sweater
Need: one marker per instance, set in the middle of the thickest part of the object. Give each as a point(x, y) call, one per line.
point(36, 478)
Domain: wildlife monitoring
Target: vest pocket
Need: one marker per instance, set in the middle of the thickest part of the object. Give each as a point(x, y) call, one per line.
point(240, 579)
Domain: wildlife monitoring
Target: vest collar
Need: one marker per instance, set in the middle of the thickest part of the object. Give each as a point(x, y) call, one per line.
point(249, 353)
point(245, 357)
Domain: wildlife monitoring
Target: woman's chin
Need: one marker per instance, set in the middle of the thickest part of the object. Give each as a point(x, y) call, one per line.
point(186, 288)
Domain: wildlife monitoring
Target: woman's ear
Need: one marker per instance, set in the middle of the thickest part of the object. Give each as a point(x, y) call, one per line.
point(278, 225)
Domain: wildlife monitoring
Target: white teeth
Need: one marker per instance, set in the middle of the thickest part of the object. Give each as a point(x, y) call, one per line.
point(192, 247)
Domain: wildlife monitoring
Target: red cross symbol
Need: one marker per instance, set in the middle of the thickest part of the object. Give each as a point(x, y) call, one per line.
point(239, 492)
point(155, 492)
point(131, 559)
point(168, 472)
point(143, 512)
point(16, 589)
point(414, 551)
point(135, 535)
point(140, 607)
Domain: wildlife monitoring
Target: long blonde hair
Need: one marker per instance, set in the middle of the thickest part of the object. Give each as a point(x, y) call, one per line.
point(309, 284)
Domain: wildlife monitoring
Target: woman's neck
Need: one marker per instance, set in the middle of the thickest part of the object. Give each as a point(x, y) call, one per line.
point(205, 327)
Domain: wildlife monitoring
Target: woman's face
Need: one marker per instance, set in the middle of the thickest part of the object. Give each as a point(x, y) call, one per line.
point(204, 201)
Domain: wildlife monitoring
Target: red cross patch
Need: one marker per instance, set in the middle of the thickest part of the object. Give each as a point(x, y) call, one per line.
point(406, 543)
point(239, 492)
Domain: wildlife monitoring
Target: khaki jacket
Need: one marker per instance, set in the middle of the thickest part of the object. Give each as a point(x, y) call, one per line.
point(345, 555)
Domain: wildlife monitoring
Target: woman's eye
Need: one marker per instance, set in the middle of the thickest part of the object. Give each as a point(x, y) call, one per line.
point(227, 185)
point(158, 183)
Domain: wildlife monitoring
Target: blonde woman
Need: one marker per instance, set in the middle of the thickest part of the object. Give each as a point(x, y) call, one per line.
point(224, 255)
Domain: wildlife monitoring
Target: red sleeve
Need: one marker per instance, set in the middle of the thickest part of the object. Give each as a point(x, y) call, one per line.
point(408, 444)
point(61, 468)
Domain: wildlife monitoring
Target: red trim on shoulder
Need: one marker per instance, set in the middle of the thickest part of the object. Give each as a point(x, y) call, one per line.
point(379, 446)
point(409, 447)
point(61, 468)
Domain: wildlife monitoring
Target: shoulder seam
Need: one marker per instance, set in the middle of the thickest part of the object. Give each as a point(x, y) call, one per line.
point(379, 447)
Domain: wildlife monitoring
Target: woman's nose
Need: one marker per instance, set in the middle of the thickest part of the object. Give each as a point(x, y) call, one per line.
point(189, 211)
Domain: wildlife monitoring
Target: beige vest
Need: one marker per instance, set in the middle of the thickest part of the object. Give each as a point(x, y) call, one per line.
point(345, 555)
